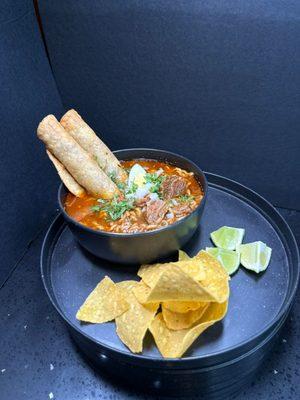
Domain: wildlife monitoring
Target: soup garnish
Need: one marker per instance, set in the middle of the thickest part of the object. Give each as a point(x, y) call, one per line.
point(156, 194)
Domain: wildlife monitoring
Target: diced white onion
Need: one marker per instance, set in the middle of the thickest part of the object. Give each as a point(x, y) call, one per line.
point(153, 196)
point(142, 191)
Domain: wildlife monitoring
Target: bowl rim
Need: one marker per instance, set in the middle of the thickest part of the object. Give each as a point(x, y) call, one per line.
point(138, 234)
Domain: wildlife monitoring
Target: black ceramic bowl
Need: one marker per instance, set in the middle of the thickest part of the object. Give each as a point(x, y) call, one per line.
point(144, 247)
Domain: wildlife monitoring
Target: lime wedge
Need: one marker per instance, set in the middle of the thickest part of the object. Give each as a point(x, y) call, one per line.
point(227, 237)
point(255, 256)
point(229, 259)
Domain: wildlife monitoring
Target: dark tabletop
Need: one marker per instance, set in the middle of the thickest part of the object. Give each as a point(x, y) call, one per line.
point(38, 360)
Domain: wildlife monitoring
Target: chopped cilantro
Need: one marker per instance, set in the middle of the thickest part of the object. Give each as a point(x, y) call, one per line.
point(98, 207)
point(95, 208)
point(116, 208)
point(155, 181)
point(132, 189)
point(151, 178)
point(121, 186)
point(185, 198)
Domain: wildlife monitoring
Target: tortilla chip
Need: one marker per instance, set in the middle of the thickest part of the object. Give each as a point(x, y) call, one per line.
point(67, 179)
point(172, 284)
point(105, 303)
point(183, 306)
point(211, 266)
point(173, 344)
point(134, 323)
point(142, 292)
point(150, 273)
point(216, 278)
point(183, 256)
point(178, 321)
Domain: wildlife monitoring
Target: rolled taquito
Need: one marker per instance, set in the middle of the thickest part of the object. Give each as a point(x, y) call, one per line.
point(75, 159)
point(87, 138)
point(66, 177)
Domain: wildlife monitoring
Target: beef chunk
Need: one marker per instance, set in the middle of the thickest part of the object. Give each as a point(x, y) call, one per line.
point(155, 211)
point(143, 201)
point(173, 186)
point(181, 209)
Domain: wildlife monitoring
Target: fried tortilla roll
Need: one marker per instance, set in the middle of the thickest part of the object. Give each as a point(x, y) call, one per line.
point(66, 178)
point(75, 159)
point(87, 138)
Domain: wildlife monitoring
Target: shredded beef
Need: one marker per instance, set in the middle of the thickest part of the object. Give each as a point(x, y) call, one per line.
point(155, 211)
point(143, 201)
point(181, 209)
point(173, 186)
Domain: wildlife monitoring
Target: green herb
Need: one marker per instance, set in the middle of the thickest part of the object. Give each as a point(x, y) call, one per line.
point(151, 178)
point(155, 181)
point(121, 186)
point(116, 208)
point(185, 198)
point(95, 208)
point(132, 189)
point(156, 189)
point(98, 207)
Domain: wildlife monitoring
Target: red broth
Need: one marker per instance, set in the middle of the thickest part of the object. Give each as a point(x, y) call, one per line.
point(96, 214)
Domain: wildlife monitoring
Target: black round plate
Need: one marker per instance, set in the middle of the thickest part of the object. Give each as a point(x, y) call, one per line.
point(257, 302)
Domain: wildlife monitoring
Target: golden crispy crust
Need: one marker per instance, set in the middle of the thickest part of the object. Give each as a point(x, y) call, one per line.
point(89, 141)
point(75, 159)
point(66, 177)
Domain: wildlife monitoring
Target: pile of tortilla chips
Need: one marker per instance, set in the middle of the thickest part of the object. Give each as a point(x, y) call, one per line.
point(176, 301)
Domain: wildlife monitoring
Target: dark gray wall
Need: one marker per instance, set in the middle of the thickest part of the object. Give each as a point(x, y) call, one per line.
point(216, 81)
point(28, 92)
